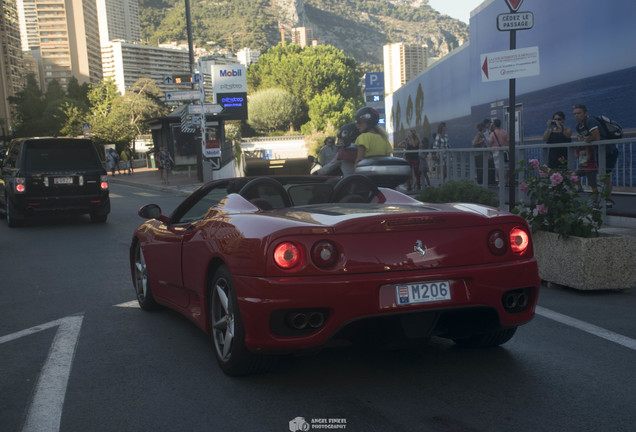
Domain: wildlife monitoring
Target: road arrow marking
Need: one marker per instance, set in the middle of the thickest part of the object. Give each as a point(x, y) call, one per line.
point(45, 411)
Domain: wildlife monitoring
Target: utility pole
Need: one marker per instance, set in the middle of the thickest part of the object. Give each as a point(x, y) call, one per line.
point(511, 130)
point(191, 51)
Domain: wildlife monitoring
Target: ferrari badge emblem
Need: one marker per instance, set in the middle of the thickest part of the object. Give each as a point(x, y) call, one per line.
point(418, 248)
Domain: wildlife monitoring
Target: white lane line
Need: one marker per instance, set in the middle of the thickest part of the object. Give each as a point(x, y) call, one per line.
point(586, 327)
point(130, 304)
point(45, 412)
point(30, 331)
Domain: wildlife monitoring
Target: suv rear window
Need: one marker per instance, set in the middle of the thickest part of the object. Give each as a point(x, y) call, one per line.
point(45, 155)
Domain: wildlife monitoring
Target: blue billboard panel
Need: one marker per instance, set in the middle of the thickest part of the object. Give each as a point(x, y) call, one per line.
point(234, 105)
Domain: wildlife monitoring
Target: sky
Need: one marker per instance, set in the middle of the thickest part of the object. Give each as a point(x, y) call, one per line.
point(459, 9)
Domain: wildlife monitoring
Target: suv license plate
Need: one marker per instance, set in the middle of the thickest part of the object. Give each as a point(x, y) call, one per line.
point(63, 180)
point(422, 292)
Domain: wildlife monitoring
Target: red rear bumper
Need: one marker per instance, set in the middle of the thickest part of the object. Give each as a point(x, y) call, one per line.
point(349, 298)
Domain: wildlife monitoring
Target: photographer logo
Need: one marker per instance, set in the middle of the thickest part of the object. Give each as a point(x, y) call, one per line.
point(301, 424)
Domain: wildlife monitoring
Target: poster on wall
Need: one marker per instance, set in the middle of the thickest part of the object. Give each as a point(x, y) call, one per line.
point(511, 64)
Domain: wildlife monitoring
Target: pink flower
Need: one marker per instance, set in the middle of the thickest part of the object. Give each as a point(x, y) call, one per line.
point(556, 179)
point(524, 187)
point(544, 171)
point(574, 178)
point(542, 209)
point(534, 163)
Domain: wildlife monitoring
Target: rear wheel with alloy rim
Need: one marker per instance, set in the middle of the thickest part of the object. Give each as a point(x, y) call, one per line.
point(228, 333)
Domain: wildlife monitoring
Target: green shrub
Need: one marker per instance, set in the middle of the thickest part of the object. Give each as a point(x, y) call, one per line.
point(459, 191)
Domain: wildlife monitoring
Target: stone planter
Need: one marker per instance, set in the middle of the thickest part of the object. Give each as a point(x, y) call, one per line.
point(598, 263)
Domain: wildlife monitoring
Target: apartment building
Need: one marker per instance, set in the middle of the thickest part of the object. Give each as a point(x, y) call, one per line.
point(11, 62)
point(248, 56)
point(126, 62)
point(67, 37)
point(28, 19)
point(118, 20)
point(402, 63)
point(302, 36)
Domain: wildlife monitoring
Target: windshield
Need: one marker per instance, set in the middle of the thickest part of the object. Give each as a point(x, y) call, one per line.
point(49, 155)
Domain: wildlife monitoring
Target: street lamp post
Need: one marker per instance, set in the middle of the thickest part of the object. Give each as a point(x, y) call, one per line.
point(191, 52)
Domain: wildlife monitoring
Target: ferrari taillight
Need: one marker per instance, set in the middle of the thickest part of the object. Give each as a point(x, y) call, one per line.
point(519, 240)
point(287, 255)
point(324, 254)
point(497, 242)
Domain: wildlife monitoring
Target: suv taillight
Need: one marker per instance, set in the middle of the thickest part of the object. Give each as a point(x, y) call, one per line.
point(103, 182)
point(20, 185)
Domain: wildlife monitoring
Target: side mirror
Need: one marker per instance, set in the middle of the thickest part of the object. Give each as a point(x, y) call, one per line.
point(152, 211)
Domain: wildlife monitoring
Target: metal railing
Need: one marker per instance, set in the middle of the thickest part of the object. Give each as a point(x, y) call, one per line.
point(461, 164)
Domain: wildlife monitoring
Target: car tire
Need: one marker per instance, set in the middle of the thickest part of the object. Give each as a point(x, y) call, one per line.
point(98, 218)
point(486, 340)
point(227, 331)
point(140, 279)
point(13, 216)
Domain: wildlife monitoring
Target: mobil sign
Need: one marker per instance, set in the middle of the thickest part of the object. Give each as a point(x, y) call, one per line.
point(229, 78)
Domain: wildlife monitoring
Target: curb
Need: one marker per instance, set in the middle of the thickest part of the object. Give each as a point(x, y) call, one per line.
point(178, 190)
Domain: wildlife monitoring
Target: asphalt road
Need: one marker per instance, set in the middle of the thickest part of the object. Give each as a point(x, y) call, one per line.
point(77, 355)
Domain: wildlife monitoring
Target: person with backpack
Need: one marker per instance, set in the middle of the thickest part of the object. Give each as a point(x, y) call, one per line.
point(590, 129)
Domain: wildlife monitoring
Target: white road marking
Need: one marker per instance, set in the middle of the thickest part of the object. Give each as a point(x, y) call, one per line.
point(588, 328)
point(30, 331)
point(130, 304)
point(45, 412)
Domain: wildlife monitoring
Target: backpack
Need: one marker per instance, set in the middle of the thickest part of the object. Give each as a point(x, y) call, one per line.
point(612, 129)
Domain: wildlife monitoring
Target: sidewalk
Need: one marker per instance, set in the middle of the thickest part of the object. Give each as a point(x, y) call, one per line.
point(180, 182)
point(621, 219)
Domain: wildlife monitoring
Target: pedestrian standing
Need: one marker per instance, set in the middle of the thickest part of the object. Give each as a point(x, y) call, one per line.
point(499, 138)
point(165, 165)
point(111, 158)
point(126, 160)
point(589, 130)
point(411, 144)
point(480, 142)
point(441, 143)
point(555, 133)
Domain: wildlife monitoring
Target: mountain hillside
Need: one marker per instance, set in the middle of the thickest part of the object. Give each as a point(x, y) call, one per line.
point(358, 27)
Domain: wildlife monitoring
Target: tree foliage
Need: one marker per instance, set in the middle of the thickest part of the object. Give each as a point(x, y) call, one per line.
point(118, 119)
point(322, 78)
point(42, 114)
point(327, 112)
point(273, 109)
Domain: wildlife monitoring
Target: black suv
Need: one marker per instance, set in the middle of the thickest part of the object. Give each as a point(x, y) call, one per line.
point(53, 175)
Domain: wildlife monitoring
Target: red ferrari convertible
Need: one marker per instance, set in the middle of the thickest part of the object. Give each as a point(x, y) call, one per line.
point(275, 265)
